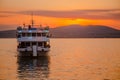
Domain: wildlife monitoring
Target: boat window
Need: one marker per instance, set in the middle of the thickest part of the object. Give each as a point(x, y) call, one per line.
point(47, 35)
point(34, 43)
point(22, 45)
point(43, 34)
point(34, 34)
point(39, 43)
point(23, 34)
point(45, 43)
point(28, 34)
point(38, 34)
point(27, 43)
point(19, 35)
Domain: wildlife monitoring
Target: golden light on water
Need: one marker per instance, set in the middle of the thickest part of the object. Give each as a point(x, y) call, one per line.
point(84, 59)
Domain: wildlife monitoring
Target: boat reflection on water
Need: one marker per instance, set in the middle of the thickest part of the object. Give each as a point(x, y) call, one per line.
point(33, 68)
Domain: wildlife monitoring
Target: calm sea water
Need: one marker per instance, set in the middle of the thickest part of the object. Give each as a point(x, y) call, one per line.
point(69, 59)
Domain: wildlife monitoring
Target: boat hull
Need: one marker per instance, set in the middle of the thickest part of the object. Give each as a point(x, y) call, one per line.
point(30, 53)
point(30, 49)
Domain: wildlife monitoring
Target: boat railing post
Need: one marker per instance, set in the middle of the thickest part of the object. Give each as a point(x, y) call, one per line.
point(34, 50)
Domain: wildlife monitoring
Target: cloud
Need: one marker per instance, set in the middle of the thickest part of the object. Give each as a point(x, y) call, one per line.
point(6, 13)
point(74, 14)
point(3, 16)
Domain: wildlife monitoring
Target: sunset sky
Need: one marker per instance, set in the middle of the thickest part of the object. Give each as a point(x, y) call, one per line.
point(57, 13)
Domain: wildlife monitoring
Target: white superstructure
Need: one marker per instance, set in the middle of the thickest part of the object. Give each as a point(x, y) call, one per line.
point(33, 39)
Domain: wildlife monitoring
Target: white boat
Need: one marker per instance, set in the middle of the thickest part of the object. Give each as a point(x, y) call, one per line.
point(31, 39)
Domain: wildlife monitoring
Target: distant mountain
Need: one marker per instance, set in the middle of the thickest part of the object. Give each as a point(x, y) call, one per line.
point(74, 31)
point(8, 34)
point(77, 31)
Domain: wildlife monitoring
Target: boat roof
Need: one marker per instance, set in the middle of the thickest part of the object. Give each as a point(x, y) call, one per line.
point(33, 30)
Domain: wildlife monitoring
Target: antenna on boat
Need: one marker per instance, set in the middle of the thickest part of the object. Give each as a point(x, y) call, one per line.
point(32, 20)
point(24, 25)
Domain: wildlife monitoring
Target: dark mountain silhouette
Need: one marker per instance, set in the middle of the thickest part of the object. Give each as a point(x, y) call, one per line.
point(77, 31)
point(74, 31)
point(8, 34)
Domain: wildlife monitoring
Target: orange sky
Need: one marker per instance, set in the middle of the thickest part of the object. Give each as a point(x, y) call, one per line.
point(57, 13)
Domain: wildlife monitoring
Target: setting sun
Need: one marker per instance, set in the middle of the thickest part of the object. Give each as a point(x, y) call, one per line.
point(61, 13)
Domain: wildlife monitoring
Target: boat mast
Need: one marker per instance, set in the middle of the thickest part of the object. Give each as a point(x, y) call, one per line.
point(32, 21)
